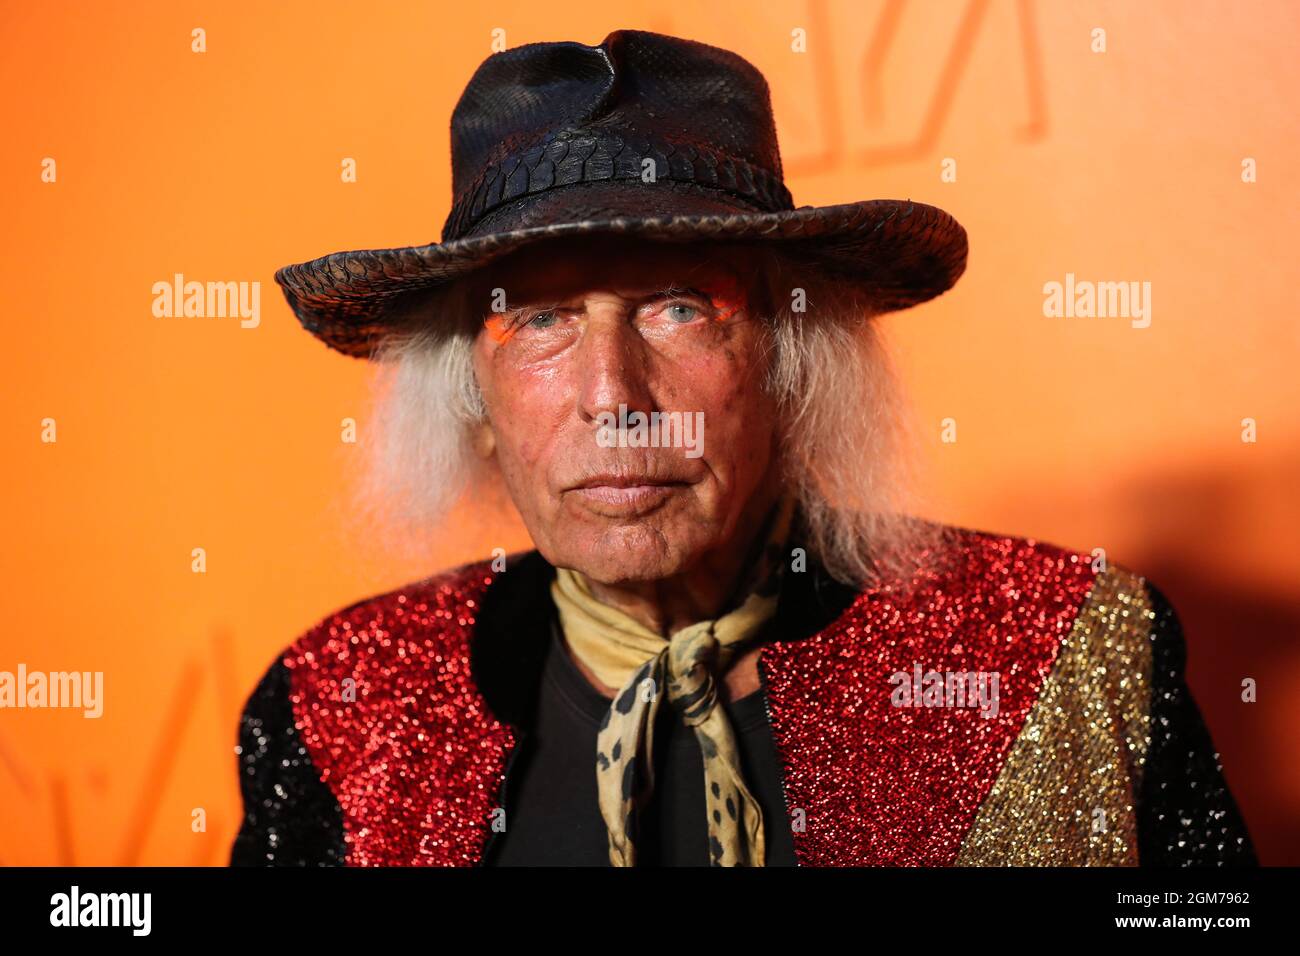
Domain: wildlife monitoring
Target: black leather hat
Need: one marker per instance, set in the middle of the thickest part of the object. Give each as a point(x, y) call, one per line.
point(644, 135)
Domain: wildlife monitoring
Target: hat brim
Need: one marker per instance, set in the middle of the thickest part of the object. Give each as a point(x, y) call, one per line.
point(901, 252)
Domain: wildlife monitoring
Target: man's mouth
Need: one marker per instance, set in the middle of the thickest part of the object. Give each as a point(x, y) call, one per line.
point(621, 495)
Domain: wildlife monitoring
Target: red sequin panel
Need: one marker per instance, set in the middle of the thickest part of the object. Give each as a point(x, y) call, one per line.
point(415, 759)
point(875, 784)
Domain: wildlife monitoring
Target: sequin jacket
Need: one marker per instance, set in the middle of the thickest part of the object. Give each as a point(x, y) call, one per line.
point(385, 734)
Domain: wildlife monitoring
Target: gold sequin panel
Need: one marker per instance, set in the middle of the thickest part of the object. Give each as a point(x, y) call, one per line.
point(1066, 794)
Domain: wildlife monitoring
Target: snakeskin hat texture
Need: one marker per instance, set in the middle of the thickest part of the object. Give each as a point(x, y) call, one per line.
point(643, 135)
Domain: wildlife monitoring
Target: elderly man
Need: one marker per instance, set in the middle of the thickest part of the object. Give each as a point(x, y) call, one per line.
point(732, 645)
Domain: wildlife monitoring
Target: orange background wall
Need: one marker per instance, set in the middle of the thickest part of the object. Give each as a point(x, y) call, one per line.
point(183, 433)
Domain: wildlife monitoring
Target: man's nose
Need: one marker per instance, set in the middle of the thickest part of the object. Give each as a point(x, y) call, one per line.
point(613, 365)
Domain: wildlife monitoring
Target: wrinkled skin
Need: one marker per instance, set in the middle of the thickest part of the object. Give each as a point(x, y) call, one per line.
point(662, 535)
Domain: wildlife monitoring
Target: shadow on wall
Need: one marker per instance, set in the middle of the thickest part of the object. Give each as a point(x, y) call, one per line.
point(1223, 543)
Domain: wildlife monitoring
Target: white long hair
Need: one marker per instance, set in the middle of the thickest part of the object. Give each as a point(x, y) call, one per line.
point(846, 439)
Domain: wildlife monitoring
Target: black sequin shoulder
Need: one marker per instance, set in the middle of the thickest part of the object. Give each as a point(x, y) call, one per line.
point(1186, 814)
point(290, 816)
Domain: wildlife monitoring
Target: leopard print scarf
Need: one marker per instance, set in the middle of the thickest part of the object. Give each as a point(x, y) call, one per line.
point(624, 653)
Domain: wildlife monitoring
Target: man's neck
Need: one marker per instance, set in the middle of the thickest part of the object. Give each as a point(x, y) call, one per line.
point(700, 593)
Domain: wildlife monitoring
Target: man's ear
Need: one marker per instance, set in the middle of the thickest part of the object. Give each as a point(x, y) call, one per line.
point(483, 438)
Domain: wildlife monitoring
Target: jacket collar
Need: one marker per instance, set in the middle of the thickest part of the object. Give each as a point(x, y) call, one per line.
point(513, 628)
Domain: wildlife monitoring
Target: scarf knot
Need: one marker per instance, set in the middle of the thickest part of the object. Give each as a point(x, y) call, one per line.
point(692, 660)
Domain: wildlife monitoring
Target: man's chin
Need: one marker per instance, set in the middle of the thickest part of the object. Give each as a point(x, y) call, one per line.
point(624, 576)
point(625, 556)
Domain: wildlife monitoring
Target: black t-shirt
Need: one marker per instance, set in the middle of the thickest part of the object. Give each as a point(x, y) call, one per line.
point(554, 817)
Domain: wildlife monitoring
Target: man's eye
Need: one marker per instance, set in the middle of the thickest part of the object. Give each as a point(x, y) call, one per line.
point(681, 312)
point(544, 320)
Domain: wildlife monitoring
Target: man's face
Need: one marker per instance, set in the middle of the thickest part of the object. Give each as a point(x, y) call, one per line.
point(595, 329)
